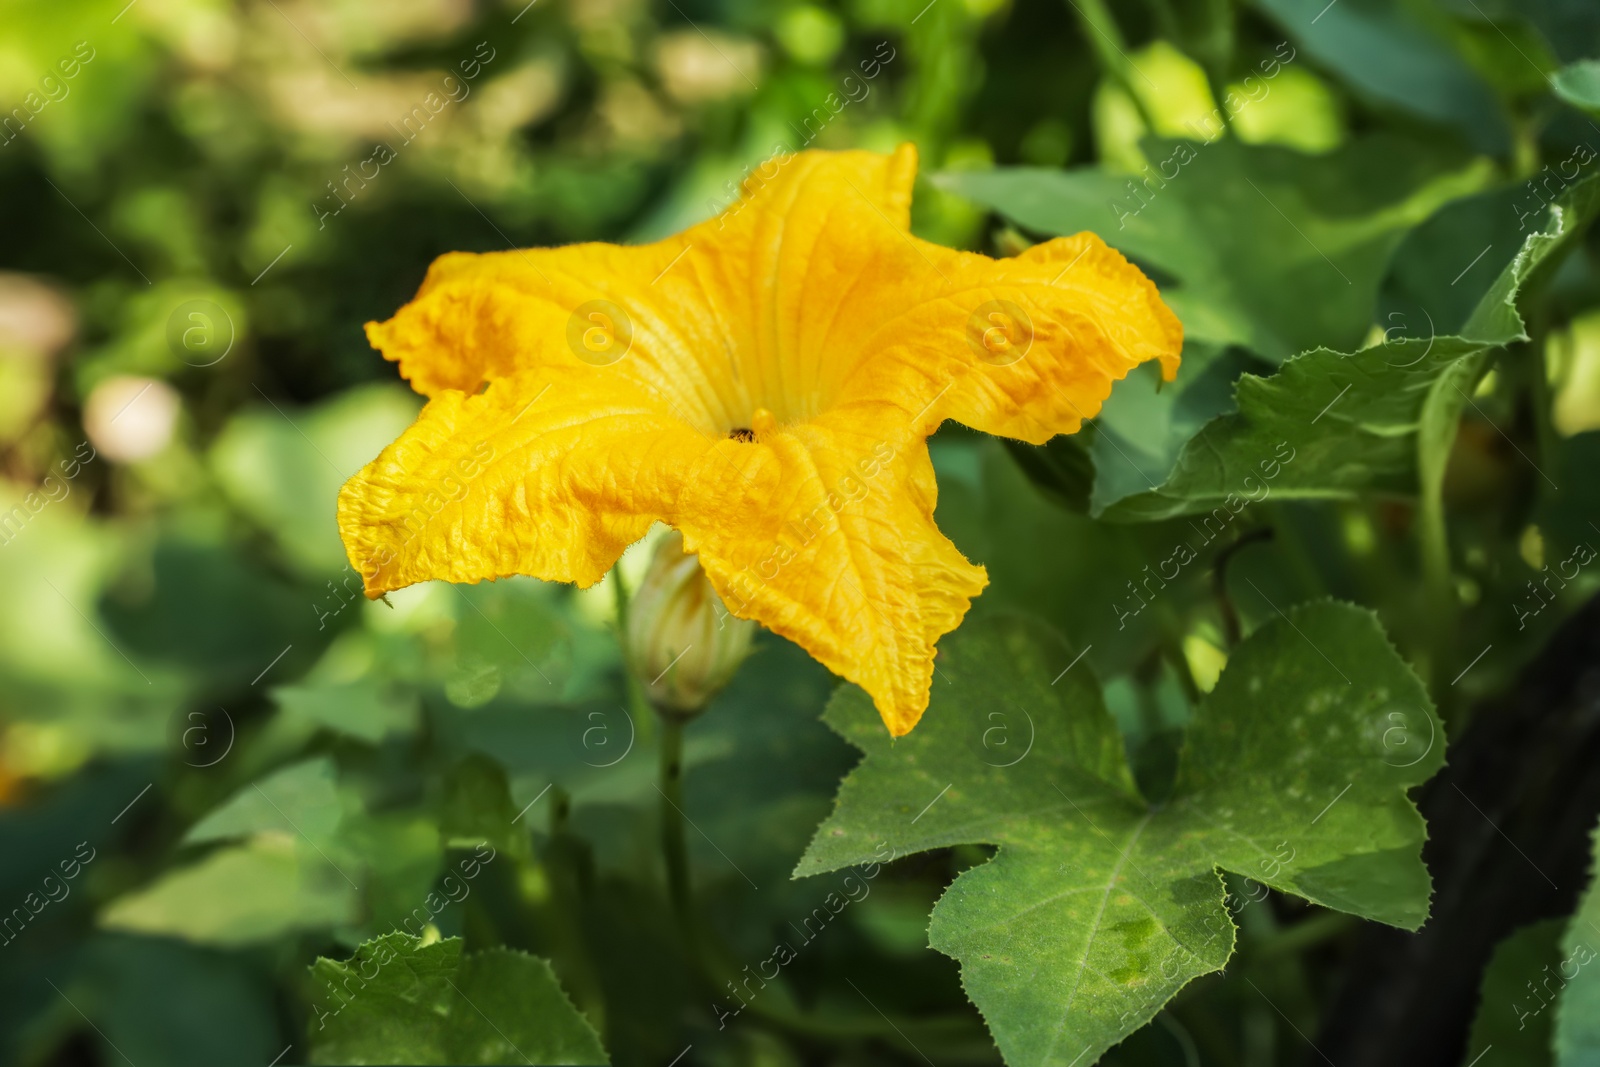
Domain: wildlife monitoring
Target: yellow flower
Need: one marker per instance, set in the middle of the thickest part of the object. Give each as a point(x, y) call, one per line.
point(763, 382)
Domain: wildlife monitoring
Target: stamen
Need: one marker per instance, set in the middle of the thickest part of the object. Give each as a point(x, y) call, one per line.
point(762, 422)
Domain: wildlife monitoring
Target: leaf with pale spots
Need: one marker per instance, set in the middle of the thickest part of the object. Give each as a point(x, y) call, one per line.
point(1098, 906)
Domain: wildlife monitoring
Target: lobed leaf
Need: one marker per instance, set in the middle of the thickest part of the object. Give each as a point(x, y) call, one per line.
point(1099, 906)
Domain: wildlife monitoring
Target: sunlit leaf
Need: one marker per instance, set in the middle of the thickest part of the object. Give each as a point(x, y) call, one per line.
point(299, 799)
point(366, 709)
point(268, 888)
point(1579, 84)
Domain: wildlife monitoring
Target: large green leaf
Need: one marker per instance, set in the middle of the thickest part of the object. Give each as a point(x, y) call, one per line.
point(147, 994)
point(1145, 423)
point(1329, 424)
point(307, 857)
point(1099, 906)
point(283, 467)
point(1269, 248)
point(399, 1000)
point(1394, 52)
point(1570, 28)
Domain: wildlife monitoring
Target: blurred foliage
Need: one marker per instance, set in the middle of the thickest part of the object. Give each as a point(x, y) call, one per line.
point(250, 769)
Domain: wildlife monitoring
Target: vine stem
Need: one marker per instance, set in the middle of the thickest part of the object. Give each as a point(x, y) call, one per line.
point(1231, 630)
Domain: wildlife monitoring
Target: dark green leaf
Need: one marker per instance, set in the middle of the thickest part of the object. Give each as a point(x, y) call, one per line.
point(1061, 468)
point(147, 994)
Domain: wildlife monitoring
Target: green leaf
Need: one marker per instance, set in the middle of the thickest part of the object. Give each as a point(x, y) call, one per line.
point(170, 614)
point(1269, 248)
point(1389, 52)
point(395, 857)
point(1571, 28)
point(1044, 560)
point(509, 635)
point(399, 1000)
point(1061, 468)
point(1145, 422)
point(475, 806)
point(272, 886)
point(1579, 84)
point(1443, 267)
point(302, 798)
point(283, 467)
point(1330, 424)
point(366, 709)
point(1577, 1028)
point(132, 984)
point(1510, 1018)
point(1567, 516)
point(1098, 906)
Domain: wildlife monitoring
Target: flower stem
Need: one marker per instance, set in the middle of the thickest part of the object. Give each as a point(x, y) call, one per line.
point(673, 848)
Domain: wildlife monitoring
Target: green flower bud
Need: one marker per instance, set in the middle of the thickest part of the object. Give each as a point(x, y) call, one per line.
point(683, 645)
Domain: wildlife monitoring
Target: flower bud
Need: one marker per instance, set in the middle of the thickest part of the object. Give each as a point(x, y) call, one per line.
point(683, 644)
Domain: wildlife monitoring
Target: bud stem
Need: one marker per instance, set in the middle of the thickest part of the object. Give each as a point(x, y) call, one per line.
point(673, 847)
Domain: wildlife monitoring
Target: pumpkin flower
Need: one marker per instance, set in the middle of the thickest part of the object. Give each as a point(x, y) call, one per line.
point(764, 383)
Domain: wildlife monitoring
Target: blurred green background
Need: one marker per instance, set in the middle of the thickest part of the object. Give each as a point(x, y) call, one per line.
point(186, 263)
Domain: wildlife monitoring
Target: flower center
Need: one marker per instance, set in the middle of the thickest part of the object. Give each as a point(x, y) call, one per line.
point(762, 422)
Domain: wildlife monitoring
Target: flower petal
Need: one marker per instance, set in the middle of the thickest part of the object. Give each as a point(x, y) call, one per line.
point(1026, 347)
point(826, 536)
point(634, 313)
point(549, 474)
point(701, 319)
